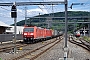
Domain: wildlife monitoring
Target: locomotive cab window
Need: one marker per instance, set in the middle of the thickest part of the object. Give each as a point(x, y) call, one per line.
point(29, 30)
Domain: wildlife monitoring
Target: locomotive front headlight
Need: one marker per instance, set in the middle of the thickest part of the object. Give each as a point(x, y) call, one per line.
point(31, 33)
point(25, 33)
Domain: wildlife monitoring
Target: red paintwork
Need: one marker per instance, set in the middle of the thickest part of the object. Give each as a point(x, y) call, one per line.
point(38, 33)
point(77, 34)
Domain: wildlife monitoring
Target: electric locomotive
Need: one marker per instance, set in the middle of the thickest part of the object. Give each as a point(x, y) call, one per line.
point(32, 34)
point(77, 33)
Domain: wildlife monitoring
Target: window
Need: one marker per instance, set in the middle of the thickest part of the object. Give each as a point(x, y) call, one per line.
point(28, 29)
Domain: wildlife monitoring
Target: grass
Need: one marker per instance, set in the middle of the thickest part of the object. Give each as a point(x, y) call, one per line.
point(86, 38)
point(0, 59)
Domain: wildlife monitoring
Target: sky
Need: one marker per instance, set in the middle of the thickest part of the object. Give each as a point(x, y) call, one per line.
point(34, 10)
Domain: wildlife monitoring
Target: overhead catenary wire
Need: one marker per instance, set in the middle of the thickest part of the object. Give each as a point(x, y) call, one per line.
point(51, 7)
point(4, 15)
point(5, 9)
point(39, 8)
point(10, 8)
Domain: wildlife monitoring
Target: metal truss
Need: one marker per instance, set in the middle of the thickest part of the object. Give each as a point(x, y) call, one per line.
point(77, 17)
point(63, 22)
point(32, 3)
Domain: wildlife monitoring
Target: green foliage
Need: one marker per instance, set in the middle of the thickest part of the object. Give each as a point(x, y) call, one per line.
point(86, 38)
point(0, 59)
point(38, 21)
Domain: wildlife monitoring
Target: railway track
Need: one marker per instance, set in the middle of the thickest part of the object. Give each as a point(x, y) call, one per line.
point(8, 48)
point(80, 42)
point(33, 54)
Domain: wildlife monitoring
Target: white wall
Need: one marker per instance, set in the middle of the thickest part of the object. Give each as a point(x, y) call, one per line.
point(19, 29)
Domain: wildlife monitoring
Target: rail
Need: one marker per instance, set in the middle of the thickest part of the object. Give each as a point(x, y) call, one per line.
point(80, 43)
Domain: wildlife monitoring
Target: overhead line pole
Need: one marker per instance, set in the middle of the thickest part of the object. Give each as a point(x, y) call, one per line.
point(25, 14)
point(66, 25)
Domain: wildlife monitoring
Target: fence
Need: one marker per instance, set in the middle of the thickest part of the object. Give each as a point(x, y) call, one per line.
point(9, 37)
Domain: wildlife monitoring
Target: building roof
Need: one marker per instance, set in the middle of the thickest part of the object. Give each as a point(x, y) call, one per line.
point(3, 24)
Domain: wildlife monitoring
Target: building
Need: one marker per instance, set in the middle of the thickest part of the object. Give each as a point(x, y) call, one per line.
point(19, 30)
point(3, 27)
point(6, 29)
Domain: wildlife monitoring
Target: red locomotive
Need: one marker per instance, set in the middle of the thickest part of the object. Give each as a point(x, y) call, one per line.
point(77, 34)
point(32, 34)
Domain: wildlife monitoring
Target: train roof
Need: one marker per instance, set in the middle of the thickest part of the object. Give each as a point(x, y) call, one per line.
point(36, 27)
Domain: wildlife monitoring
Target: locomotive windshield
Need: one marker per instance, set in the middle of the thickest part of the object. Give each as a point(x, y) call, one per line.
point(28, 29)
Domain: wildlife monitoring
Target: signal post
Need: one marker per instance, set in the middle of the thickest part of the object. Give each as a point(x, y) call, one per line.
point(14, 15)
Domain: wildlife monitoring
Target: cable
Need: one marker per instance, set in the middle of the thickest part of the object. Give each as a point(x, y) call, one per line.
point(4, 15)
point(4, 8)
point(49, 8)
point(38, 6)
point(10, 10)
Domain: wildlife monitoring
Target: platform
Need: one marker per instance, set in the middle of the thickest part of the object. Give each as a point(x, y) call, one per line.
point(67, 58)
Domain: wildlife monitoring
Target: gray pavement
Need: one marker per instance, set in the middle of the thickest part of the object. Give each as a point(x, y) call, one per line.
point(57, 52)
